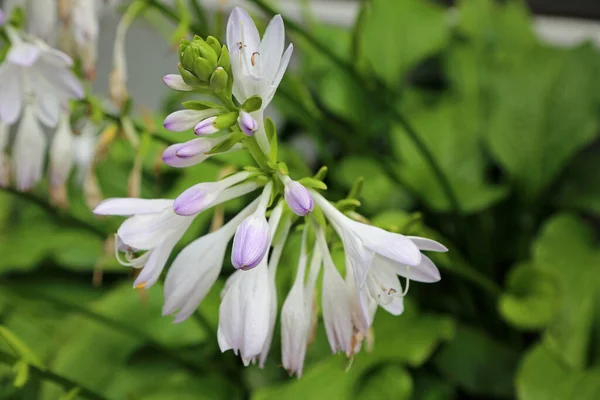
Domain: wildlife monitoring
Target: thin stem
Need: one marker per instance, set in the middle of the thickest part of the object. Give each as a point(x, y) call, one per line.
point(66, 383)
point(343, 64)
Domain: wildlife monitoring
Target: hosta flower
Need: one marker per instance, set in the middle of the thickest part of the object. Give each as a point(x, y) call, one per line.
point(193, 152)
point(35, 73)
point(29, 151)
point(252, 237)
point(152, 227)
point(246, 317)
point(336, 302)
point(297, 197)
point(197, 267)
point(61, 152)
point(183, 120)
point(203, 195)
point(296, 318)
point(257, 66)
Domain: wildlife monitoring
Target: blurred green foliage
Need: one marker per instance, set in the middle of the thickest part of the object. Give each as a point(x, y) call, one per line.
point(512, 122)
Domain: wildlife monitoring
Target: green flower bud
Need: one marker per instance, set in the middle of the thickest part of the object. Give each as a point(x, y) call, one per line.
point(226, 120)
point(182, 46)
point(188, 77)
point(218, 80)
point(214, 43)
point(224, 61)
point(203, 69)
point(188, 58)
point(205, 51)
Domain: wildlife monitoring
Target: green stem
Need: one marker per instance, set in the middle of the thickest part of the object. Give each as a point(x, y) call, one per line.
point(66, 383)
point(351, 70)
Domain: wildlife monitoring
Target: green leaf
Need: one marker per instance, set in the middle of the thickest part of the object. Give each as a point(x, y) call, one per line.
point(21, 369)
point(269, 126)
point(397, 35)
point(450, 134)
point(312, 183)
point(388, 382)
point(19, 348)
point(580, 186)
point(531, 299)
point(566, 247)
point(542, 375)
point(91, 351)
point(379, 191)
point(200, 105)
point(533, 135)
point(270, 129)
point(478, 363)
point(228, 143)
point(253, 103)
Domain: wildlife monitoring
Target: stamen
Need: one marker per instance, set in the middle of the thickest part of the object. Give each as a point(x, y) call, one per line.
point(141, 285)
point(253, 58)
point(406, 288)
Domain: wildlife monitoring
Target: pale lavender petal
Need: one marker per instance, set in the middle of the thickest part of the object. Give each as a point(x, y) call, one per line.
point(425, 272)
point(23, 54)
point(197, 198)
point(131, 206)
point(427, 244)
point(271, 48)
point(11, 96)
point(241, 28)
point(251, 242)
point(206, 127)
point(298, 198)
point(247, 124)
point(182, 155)
point(175, 81)
point(285, 60)
point(183, 120)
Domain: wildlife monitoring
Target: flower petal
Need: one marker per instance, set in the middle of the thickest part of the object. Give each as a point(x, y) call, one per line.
point(271, 48)
point(131, 206)
point(175, 81)
point(241, 28)
point(24, 54)
point(11, 97)
point(427, 244)
point(392, 245)
point(426, 271)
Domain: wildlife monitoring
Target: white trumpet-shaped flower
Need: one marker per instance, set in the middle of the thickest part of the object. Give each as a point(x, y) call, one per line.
point(245, 314)
point(61, 153)
point(197, 267)
point(37, 74)
point(257, 66)
point(296, 316)
point(29, 151)
point(336, 303)
point(363, 242)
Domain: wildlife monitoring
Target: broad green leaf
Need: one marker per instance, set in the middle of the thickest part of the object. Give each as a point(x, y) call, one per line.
point(450, 136)
point(397, 35)
point(478, 363)
point(387, 382)
point(566, 247)
point(18, 347)
point(91, 351)
point(531, 299)
point(580, 186)
point(379, 191)
point(535, 133)
point(542, 375)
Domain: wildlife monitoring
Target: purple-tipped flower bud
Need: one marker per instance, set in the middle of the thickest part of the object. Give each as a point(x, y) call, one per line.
point(298, 198)
point(206, 127)
point(197, 198)
point(190, 153)
point(248, 125)
point(251, 242)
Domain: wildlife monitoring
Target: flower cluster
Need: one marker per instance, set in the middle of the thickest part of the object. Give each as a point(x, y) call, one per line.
point(242, 77)
point(36, 85)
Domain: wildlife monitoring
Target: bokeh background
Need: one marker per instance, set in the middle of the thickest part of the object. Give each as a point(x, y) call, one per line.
point(504, 96)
